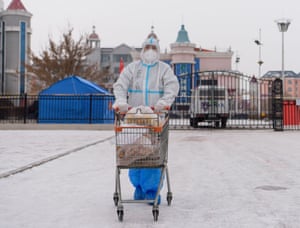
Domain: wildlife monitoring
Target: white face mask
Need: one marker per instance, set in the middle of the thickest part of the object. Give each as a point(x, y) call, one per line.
point(150, 56)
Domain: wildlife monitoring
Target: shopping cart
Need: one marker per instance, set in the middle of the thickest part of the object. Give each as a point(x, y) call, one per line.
point(141, 142)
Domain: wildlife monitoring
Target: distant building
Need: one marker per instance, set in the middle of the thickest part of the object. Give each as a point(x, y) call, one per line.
point(109, 57)
point(15, 41)
point(291, 82)
point(184, 57)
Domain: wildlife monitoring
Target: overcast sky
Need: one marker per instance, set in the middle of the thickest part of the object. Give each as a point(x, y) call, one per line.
point(214, 23)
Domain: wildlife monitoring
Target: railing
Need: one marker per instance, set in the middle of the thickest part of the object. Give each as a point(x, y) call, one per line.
point(96, 109)
point(18, 109)
point(91, 108)
point(237, 113)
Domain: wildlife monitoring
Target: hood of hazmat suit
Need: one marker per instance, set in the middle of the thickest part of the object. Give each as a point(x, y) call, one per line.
point(150, 51)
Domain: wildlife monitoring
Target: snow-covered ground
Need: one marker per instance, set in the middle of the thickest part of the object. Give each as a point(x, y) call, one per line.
point(219, 178)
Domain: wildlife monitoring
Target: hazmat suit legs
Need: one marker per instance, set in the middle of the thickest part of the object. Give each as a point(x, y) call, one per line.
point(146, 182)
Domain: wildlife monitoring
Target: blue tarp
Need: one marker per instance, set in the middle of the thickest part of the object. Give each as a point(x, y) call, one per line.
point(74, 85)
point(75, 100)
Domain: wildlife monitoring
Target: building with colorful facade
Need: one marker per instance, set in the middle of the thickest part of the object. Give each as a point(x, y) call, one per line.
point(15, 41)
point(184, 57)
point(291, 82)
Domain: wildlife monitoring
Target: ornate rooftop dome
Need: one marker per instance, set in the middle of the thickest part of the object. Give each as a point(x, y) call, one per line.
point(152, 34)
point(94, 35)
point(182, 36)
point(16, 5)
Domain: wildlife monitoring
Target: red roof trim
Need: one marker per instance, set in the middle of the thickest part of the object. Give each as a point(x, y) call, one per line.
point(203, 50)
point(16, 5)
point(206, 50)
point(94, 36)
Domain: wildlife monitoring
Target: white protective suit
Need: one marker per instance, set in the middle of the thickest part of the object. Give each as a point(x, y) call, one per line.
point(147, 84)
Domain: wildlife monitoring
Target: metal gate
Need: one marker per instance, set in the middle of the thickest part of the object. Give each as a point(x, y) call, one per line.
point(223, 99)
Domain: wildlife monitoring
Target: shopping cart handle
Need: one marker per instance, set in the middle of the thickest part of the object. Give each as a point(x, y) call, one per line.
point(117, 109)
point(165, 108)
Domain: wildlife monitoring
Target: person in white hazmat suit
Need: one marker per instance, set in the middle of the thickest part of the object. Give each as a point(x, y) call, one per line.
point(147, 82)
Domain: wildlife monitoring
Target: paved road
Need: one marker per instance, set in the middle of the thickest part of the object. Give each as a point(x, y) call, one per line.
point(219, 179)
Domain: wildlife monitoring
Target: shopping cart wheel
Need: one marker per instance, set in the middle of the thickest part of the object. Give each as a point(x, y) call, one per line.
point(155, 212)
point(116, 198)
point(120, 213)
point(169, 198)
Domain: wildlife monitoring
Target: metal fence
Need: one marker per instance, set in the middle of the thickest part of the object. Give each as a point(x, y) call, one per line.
point(91, 108)
point(97, 109)
point(18, 109)
point(181, 118)
point(248, 104)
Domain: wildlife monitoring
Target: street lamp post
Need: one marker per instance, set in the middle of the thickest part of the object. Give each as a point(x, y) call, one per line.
point(283, 25)
point(237, 60)
point(260, 62)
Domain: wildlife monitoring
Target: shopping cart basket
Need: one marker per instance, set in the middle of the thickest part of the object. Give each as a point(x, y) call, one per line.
point(141, 142)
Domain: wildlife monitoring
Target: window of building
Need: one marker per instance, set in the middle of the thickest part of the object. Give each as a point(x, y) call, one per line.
point(125, 57)
point(289, 89)
point(105, 58)
point(290, 82)
point(116, 70)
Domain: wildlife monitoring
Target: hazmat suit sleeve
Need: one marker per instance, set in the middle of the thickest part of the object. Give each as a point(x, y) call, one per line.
point(170, 88)
point(122, 84)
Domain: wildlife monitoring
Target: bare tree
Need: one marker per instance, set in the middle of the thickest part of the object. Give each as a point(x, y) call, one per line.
point(60, 60)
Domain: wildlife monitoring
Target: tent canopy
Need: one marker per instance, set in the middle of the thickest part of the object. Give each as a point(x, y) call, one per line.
point(75, 100)
point(74, 85)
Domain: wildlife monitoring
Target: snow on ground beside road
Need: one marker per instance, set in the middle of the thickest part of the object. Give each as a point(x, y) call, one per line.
point(18, 148)
point(236, 178)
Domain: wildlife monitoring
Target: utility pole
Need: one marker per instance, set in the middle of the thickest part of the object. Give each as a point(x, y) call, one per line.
point(260, 62)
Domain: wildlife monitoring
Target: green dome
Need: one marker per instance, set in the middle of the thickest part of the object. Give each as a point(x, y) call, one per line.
point(182, 36)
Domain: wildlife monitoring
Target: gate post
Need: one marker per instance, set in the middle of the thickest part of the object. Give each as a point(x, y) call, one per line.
point(25, 107)
point(277, 104)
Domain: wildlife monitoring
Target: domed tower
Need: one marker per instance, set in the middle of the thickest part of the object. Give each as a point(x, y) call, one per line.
point(183, 61)
point(15, 40)
point(93, 42)
point(152, 34)
point(183, 51)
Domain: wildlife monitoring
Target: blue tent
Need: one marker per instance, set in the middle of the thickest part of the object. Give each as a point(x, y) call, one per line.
point(75, 100)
